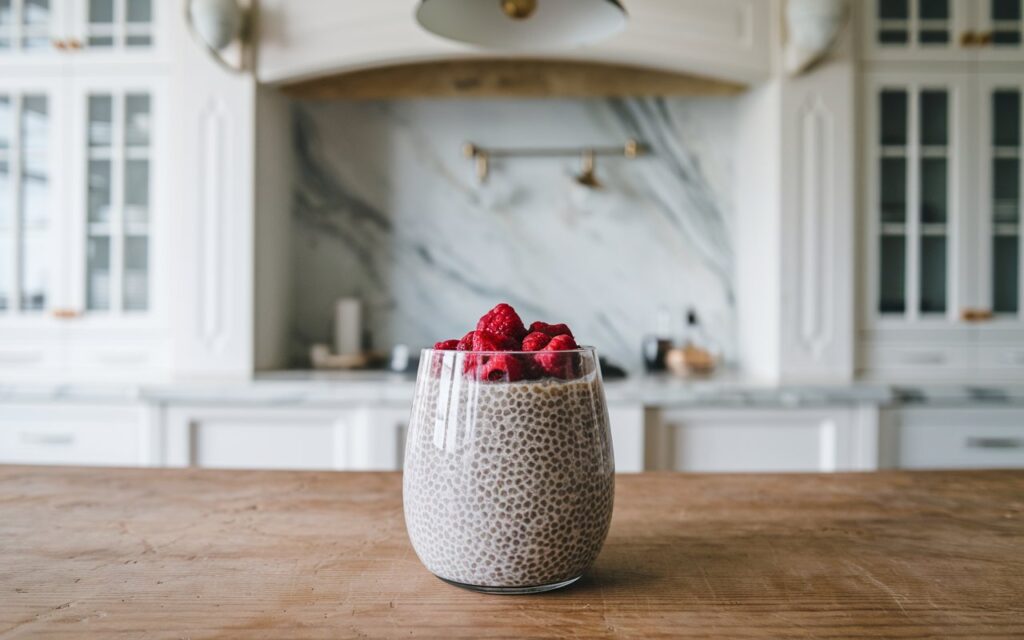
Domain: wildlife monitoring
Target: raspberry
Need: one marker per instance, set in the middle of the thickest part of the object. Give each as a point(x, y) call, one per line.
point(502, 320)
point(466, 343)
point(502, 368)
point(552, 330)
point(447, 345)
point(535, 341)
point(559, 365)
point(484, 340)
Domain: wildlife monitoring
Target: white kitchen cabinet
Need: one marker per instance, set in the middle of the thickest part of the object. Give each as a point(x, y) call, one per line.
point(942, 30)
point(942, 217)
point(952, 438)
point(627, 427)
point(268, 437)
point(109, 434)
point(762, 439)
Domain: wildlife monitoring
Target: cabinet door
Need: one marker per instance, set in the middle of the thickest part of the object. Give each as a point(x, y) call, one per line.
point(762, 439)
point(30, 29)
point(916, 172)
point(117, 155)
point(917, 29)
point(954, 438)
point(99, 28)
point(1000, 27)
point(999, 194)
point(31, 224)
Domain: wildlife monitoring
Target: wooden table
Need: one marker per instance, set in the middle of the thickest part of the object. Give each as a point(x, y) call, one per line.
point(91, 553)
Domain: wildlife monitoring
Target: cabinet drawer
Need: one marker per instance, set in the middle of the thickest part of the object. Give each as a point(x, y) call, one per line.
point(1008, 358)
point(960, 438)
point(74, 435)
point(920, 360)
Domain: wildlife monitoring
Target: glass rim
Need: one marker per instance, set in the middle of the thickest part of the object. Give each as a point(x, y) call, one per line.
point(581, 349)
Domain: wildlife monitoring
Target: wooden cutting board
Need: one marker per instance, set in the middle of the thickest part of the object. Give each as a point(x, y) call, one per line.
point(94, 553)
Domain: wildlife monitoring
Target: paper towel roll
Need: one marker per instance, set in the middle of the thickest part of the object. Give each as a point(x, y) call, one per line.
point(348, 326)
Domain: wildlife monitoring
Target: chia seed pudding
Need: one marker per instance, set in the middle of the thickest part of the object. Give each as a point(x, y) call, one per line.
point(508, 484)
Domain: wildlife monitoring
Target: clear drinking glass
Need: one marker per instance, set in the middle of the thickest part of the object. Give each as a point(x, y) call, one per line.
point(508, 484)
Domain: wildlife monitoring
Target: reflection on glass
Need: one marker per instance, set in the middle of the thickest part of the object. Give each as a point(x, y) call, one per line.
point(933, 274)
point(1005, 273)
point(136, 273)
point(35, 12)
point(34, 122)
point(101, 121)
point(138, 41)
point(5, 122)
point(35, 192)
point(934, 118)
point(892, 269)
point(893, 110)
point(97, 276)
point(101, 11)
point(136, 119)
point(894, 189)
point(933, 190)
point(6, 15)
point(1006, 189)
point(100, 41)
point(136, 191)
point(139, 11)
point(893, 9)
point(99, 191)
point(33, 269)
point(1006, 118)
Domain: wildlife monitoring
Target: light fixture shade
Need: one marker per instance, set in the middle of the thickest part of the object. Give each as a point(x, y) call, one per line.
point(550, 23)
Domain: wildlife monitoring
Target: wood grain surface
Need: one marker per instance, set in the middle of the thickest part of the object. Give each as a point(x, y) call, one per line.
point(93, 553)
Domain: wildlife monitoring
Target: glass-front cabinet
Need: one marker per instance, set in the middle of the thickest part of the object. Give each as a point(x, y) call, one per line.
point(35, 29)
point(932, 30)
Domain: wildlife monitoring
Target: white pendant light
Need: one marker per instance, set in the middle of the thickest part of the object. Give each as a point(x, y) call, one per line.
point(522, 24)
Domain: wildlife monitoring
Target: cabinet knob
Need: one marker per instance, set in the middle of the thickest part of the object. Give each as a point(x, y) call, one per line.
point(65, 314)
point(59, 44)
point(984, 39)
point(968, 39)
point(975, 315)
point(74, 43)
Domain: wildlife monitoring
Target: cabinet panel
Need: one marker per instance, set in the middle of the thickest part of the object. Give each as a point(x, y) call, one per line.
point(954, 438)
point(761, 440)
point(917, 29)
point(73, 434)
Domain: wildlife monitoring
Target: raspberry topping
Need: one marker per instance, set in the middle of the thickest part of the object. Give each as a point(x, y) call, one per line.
point(552, 330)
point(502, 368)
point(559, 365)
point(503, 320)
point(466, 343)
point(487, 341)
point(535, 341)
point(447, 345)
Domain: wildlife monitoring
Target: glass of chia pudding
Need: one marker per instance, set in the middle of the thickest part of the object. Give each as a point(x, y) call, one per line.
point(509, 472)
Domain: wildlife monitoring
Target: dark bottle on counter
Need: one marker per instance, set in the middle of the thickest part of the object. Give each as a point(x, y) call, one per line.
point(656, 345)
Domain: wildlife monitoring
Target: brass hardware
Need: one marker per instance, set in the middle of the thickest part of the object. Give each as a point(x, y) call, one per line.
point(482, 157)
point(74, 43)
point(587, 175)
point(65, 313)
point(976, 315)
point(984, 39)
point(518, 9)
point(59, 44)
point(968, 39)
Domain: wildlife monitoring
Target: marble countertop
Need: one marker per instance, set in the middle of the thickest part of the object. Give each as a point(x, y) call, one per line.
point(323, 388)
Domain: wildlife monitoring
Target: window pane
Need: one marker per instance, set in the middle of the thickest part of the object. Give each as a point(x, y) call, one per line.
point(933, 274)
point(1005, 272)
point(136, 273)
point(1005, 9)
point(101, 11)
point(892, 36)
point(99, 191)
point(34, 264)
point(35, 125)
point(933, 9)
point(100, 41)
point(5, 202)
point(892, 268)
point(97, 284)
point(139, 11)
point(136, 191)
point(1006, 118)
point(934, 118)
point(893, 109)
point(893, 9)
point(35, 12)
point(101, 120)
point(933, 36)
point(933, 190)
point(136, 119)
point(894, 189)
point(138, 41)
point(1005, 189)
point(1005, 37)
point(6, 15)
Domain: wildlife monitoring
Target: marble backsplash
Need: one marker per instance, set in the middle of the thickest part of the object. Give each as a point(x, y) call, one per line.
point(386, 208)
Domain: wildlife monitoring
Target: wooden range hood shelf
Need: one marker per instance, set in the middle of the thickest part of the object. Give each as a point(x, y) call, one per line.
point(505, 78)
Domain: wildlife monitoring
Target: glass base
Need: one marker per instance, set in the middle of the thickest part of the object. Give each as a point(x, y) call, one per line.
point(514, 591)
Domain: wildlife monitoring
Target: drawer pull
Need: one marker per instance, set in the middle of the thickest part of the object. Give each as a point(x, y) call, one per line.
point(976, 442)
point(48, 439)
